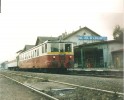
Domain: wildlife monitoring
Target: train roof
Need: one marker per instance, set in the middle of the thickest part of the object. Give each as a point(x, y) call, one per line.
point(29, 47)
point(57, 41)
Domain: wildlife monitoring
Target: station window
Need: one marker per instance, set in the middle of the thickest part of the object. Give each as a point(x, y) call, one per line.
point(54, 47)
point(68, 48)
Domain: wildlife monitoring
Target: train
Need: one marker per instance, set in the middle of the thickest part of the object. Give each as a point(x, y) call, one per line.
point(47, 56)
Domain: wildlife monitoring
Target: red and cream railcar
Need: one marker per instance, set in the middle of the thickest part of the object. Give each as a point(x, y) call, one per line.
point(50, 54)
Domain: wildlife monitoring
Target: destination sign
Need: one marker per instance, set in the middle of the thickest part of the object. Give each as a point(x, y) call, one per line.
point(92, 38)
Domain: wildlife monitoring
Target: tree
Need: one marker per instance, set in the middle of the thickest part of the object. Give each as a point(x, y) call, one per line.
point(118, 33)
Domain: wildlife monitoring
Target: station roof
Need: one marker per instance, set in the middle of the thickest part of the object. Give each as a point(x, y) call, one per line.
point(96, 43)
point(27, 47)
point(120, 50)
point(41, 39)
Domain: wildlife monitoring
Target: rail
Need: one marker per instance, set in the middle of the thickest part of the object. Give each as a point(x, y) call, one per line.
point(74, 85)
point(32, 88)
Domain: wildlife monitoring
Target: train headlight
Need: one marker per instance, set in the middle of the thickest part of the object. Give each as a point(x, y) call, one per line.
point(54, 57)
point(70, 57)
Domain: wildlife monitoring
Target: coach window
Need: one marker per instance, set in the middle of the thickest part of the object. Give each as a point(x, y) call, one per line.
point(54, 47)
point(67, 47)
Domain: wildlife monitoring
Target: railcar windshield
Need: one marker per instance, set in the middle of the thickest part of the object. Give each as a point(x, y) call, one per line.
point(61, 47)
point(65, 47)
point(68, 47)
point(54, 47)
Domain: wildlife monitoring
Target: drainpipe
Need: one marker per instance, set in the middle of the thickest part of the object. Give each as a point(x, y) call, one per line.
point(82, 57)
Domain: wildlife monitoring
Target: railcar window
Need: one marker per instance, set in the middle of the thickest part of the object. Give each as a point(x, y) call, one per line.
point(29, 54)
point(25, 56)
point(62, 48)
point(42, 48)
point(54, 47)
point(33, 53)
point(22, 57)
point(68, 48)
point(45, 47)
point(37, 52)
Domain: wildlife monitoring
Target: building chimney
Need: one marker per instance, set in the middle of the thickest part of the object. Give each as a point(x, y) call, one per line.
point(79, 27)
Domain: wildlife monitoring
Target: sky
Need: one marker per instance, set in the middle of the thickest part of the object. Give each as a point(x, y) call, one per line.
point(21, 21)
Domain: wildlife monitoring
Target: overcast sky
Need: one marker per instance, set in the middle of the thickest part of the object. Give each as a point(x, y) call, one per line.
point(21, 21)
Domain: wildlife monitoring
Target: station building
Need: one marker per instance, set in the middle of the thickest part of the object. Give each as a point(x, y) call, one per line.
point(95, 53)
point(117, 58)
point(103, 54)
point(75, 36)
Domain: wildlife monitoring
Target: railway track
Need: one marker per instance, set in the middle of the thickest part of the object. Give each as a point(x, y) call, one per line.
point(32, 88)
point(89, 89)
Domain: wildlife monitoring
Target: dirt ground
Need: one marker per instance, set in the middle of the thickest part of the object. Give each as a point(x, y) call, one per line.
point(10, 90)
point(112, 84)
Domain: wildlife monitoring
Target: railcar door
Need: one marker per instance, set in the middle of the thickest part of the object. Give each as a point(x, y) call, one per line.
point(62, 56)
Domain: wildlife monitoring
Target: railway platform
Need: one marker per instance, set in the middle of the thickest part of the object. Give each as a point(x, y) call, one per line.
point(98, 71)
